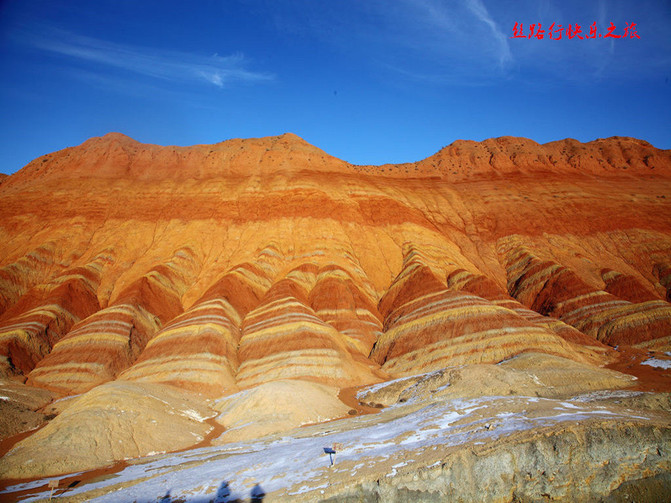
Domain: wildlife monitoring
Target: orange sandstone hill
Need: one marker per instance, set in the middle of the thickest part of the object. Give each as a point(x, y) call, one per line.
point(218, 278)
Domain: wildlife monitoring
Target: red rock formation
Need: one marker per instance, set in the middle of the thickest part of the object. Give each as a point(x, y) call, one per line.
point(356, 251)
point(44, 315)
point(484, 287)
point(198, 349)
point(16, 278)
point(626, 286)
point(428, 327)
point(266, 263)
point(284, 339)
point(663, 272)
point(349, 306)
point(554, 290)
point(99, 347)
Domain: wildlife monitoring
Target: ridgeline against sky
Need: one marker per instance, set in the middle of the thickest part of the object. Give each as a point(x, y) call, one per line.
point(369, 82)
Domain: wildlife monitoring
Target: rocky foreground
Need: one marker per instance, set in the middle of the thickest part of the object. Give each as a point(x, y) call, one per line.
point(200, 323)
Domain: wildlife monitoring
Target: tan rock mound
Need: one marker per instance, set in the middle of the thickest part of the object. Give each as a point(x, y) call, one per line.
point(529, 374)
point(276, 406)
point(19, 405)
point(115, 421)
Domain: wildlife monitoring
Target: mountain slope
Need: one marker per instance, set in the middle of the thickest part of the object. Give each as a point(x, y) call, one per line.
point(217, 275)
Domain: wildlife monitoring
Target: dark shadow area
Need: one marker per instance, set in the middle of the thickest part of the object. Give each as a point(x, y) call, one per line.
point(223, 493)
point(166, 498)
point(257, 494)
point(226, 495)
point(71, 485)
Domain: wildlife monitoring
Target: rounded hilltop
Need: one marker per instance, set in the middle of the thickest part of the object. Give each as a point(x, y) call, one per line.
point(116, 155)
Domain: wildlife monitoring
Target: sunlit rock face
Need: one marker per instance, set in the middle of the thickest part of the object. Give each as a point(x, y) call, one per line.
point(429, 327)
point(43, 316)
point(555, 290)
point(162, 291)
point(108, 341)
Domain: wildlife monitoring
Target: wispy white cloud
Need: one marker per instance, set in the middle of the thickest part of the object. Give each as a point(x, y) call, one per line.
point(455, 42)
point(162, 64)
point(478, 8)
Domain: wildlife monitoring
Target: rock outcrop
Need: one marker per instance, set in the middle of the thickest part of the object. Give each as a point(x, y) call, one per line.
point(155, 298)
point(555, 290)
point(113, 422)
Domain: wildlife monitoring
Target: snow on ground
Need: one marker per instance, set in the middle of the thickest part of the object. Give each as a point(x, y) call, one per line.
point(594, 396)
point(295, 462)
point(364, 393)
point(656, 362)
point(377, 387)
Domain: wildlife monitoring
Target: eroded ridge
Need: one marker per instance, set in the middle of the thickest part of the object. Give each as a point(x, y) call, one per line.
point(428, 326)
point(552, 289)
point(19, 276)
point(99, 347)
point(283, 338)
point(44, 315)
point(198, 350)
point(480, 285)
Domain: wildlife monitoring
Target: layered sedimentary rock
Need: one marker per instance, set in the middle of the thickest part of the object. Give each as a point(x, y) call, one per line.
point(99, 347)
point(284, 338)
point(627, 287)
point(428, 327)
point(555, 290)
point(663, 272)
point(27, 271)
point(349, 306)
point(199, 349)
point(43, 316)
point(235, 273)
point(484, 287)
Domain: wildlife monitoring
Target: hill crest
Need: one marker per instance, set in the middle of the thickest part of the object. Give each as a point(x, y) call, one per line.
point(116, 155)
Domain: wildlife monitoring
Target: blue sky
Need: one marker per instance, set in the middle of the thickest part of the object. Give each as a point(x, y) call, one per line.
point(369, 81)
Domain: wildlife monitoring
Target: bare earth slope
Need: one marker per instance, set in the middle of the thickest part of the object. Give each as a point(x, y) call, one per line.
point(185, 296)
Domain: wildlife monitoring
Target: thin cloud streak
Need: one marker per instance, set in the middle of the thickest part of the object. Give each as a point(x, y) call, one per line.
point(481, 12)
point(167, 65)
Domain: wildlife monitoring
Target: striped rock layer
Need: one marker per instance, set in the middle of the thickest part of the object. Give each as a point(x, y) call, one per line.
point(260, 260)
point(100, 346)
point(484, 287)
point(42, 317)
point(627, 287)
point(428, 327)
point(16, 278)
point(555, 290)
point(198, 349)
point(283, 338)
